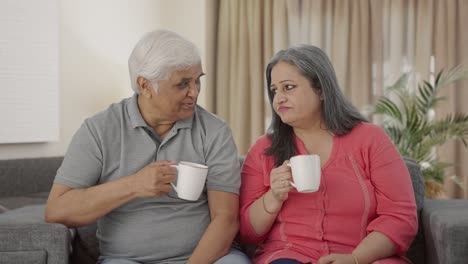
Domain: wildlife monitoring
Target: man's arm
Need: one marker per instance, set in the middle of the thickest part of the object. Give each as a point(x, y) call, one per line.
point(77, 207)
point(218, 237)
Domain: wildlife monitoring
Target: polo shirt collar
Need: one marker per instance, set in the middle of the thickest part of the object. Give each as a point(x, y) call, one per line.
point(184, 123)
point(137, 120)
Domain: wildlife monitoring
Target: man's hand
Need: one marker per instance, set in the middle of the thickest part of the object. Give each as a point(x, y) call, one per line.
point(337, 259)
point(154, 180)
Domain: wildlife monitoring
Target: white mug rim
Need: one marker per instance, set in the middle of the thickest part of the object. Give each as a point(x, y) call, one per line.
point(193, 165)
point(303, 155)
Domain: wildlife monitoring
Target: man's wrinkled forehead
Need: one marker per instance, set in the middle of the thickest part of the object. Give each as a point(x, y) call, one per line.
point(187, 73)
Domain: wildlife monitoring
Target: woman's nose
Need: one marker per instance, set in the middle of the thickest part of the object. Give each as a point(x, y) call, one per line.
point(280, 98)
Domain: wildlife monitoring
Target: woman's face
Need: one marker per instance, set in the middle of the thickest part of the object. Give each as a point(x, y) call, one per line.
point(177, 96)
point(295, 101)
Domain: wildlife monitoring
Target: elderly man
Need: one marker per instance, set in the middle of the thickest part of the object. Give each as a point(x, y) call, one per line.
point(117, 170)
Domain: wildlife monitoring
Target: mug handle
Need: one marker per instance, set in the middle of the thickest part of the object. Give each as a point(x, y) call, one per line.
point(173, 185)
point(290, 182)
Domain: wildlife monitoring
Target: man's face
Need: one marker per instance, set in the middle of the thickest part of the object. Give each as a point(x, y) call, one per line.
point(176, 97)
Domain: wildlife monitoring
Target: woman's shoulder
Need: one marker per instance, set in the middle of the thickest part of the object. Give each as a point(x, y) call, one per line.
point(263, 140)
point(365, 127)
point(262, 143)
point(365, 132)
point(256, 156)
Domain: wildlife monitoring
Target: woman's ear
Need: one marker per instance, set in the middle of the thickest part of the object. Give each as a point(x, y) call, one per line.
point(144, 86)
point(320, 94)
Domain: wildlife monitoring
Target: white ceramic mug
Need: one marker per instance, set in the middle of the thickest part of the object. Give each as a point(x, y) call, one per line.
point(191, 179)
point(306, 172)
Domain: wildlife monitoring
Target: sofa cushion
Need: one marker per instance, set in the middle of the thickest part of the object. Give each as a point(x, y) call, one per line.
point(25, 215)
point(14, 202)
point(3, 209)
point(446, 226)
point(24, 257)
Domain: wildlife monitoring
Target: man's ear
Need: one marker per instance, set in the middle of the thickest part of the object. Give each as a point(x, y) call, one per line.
point(145, 86)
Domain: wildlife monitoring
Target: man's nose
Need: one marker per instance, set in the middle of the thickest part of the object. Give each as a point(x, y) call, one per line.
point(194, 90)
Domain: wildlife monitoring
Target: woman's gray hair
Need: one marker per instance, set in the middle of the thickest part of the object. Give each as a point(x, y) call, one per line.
point(157, 54)
point(338, 114)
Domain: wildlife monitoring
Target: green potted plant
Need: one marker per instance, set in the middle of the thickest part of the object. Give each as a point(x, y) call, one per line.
point(407, 115)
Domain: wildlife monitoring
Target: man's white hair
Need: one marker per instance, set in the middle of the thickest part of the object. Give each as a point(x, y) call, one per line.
point(157, 54)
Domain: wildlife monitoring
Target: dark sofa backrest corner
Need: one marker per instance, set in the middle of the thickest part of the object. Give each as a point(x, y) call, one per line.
point(416, 252)
point(27, 175)
point(241, 160)
point(417, 180)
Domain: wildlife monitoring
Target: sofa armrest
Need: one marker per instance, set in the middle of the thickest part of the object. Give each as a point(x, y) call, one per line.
point(445, 224)
point(26, 238)
point(20, 242)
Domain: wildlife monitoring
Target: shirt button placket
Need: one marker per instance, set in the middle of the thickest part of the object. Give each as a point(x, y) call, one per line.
point(325, 247)
point(322, 217)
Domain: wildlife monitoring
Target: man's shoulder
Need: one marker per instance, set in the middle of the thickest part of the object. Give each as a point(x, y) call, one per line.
point(208, 120)
point(112, 116)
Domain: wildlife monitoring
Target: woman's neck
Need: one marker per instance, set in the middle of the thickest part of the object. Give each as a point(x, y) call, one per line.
point(310, 127)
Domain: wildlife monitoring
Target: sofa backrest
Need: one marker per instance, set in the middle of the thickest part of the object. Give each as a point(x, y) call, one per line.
point(416, 252)
point(22, 176)
point(25, 176)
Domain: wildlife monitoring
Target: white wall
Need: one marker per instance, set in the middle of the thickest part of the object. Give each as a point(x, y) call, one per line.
point(96, 38)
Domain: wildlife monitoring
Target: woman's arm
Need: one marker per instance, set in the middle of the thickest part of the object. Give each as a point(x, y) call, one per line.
point(396, 206)
point(263, 212)
point(373, 247)
point(262, 194)
point(396, 224)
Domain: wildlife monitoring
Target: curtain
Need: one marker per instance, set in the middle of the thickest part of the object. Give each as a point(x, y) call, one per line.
point(450, 44)
point(370, 42)
point(248, 33)
point(343, 29)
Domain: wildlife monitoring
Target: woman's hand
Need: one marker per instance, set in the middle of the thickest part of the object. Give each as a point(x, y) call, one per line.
point(279, 182)
point(337, 259)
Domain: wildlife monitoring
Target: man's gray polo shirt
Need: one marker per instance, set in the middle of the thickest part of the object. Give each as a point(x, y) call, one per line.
point(117, 142)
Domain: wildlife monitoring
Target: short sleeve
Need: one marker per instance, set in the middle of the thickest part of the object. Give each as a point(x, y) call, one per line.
point(82, 164)
point(222, 161)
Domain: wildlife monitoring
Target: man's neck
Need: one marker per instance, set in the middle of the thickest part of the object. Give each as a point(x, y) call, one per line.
point(154, 119)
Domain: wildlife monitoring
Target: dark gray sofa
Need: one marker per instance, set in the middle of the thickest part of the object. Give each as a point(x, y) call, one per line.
point(26, 238)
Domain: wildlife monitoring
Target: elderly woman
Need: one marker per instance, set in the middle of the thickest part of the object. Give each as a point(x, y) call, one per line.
point(364, 210)
point(118, 169)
